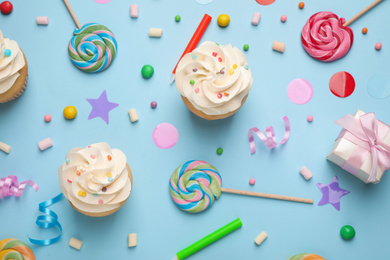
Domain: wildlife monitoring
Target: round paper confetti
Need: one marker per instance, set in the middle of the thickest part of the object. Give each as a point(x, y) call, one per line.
point(300, 91)
point(342, 84)
point(165, 136)
point(102, 1)
point(203, 2)
point(378, 86)
point(265, 2)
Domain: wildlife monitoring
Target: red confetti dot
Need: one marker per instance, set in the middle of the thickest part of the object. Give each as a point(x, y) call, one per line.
point(214, 54)
point(342, 84)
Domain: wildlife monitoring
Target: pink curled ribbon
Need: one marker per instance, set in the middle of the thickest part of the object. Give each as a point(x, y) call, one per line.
point(367, 133)
point(270, 139)
point(10, 186)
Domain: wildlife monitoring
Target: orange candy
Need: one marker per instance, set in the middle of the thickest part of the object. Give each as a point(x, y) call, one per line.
point(78, 172)
point(364, 30)
point(301, 5)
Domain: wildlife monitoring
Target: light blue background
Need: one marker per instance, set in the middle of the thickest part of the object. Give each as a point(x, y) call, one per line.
point(162, 228)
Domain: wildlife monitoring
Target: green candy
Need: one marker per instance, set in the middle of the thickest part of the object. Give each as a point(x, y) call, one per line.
point(246, 47)
point(147, 71)
point(177, 18)
point(219, 151)
point(347, 232)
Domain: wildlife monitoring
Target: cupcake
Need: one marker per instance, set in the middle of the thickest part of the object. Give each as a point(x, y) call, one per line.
point(214, 80)
point(96, 180)
point(13, 70)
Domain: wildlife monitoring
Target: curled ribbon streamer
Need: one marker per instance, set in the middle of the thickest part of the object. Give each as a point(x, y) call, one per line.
point(270, 139)
point(365, 129)
point(49, 221)
point(10, 186)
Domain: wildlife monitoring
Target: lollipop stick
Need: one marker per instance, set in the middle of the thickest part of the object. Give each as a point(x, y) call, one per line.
point(365, 10)
point(266, 195)
point(72, 14)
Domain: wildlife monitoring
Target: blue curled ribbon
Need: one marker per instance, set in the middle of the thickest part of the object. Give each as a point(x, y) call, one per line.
point(48, 221)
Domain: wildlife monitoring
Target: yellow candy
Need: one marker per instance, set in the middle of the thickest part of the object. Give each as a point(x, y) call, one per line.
point(109, 174)
point(84, 194)
point(80, 193)
point(234, 66)
point(231, 71)
point(70, 112)
point(223, 20)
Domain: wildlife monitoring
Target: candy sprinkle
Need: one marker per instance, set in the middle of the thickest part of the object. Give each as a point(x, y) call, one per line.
point(109, 157)
point(110, 179)
point(220, 59)
point(7, 52)
point(219, 95)
point(194, 57)
point(231, 71)
point(214, 54)
point(67, 161)
point(93, 156)
point(80, 193)
point(100, 202)
point(78, 172)
point(246, 66)
point(195, 70)
point(226, 94)
point(196, 90)
point(192, 82)
point(104, 189)
point(69, 181)
point(109, 174)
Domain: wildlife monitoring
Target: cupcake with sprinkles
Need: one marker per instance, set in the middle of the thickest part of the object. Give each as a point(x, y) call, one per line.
point(214, 80)
point(96, 180)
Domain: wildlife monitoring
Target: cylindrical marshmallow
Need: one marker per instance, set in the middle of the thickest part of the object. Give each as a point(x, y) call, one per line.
point(43, 20)
point(45, 143)
point(306, 173)
point(133, 11)
point(133, 115)
point(75, 243)
point(155, 32)
point(278, 46)
point(5, 147)
point(260, 238)
point(256, 18)
point(132, 239)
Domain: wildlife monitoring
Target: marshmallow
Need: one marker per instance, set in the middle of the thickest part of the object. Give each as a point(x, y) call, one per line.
point(261, 237)
point(278, 46)
point(306, 173)
point(256, 18)
point(75, 243)
point(132, 240)
point(155, 32)
point(42, 20)
point(45, 143)
point(5, 147)
point(134, 11)
point(133, 115)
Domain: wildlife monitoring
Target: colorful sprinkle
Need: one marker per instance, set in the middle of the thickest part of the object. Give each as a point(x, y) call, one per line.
point(222, 72)
point(7, 52)
point(153, 104)
point(67, 161)
point(195, 70)
point(220, 59)
point(80, 193)
point(214, 54)
point(78, 172)
point(194, 57)
point(95, 194)
point(109, 174)
point(219, 151)
point(110, 179)
point(234, 66)
point(219, 95)
point(92, 156)
point(246, 47)
point(177, 18)
point(196, 90)
point(217, 44)
point(109, 157)
point(89, 146)
point(69, 181)
point(100, 202)
point(231, 71)
point(226, 94)
point(104, 189)
point(246, 66)
point(192, 82)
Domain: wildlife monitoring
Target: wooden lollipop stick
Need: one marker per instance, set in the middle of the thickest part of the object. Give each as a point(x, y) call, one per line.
point(365, 10)
point(72, 14)
point(266, 195)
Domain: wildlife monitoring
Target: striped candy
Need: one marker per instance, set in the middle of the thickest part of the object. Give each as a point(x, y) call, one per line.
point(15, 249)
point(92, 48)
point(325, 38)
point(306, 256)
point(195, 185)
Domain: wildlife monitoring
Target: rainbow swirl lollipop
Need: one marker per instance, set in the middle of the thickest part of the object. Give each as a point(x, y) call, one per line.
point(195, 185)
point(11, 248)
point(92, 48)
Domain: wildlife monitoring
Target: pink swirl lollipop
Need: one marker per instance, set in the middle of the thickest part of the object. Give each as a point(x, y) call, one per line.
point(325, 38)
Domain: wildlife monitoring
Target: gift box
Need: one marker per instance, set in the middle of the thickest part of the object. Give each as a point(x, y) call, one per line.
point(362, 147)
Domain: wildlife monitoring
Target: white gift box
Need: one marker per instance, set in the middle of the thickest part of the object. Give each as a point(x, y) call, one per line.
point(343, 149)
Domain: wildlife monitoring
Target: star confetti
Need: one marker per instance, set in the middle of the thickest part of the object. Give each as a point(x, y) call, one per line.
point(331, 193)
point(101, 107)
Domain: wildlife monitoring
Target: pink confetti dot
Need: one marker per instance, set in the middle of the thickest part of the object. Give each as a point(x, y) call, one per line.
point(300, 91)
point(47, 118)
point(219, 95)
point(165, 136)
point(100, 202)
point(102, 1)
point(93, 156)
point(378, 46)
point(283, 18)
point(310, 118)
point(252, 181)
point(220, 59)
point(196, 90)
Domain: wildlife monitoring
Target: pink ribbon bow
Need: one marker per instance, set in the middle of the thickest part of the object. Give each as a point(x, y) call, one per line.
point(270, 139)
point(10, 186)
point(369, 135)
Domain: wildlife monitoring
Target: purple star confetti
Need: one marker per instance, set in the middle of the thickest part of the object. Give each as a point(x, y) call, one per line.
point(331, 193)
point(101, 107)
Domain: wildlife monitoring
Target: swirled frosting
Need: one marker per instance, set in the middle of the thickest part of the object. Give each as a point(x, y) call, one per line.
point(95, 179)
point(325, 38)
point(195, 185)
point(92, 48)
point(214, 78)
point(11, 65)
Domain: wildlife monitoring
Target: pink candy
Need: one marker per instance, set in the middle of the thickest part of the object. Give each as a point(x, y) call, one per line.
point(283, 18)
point(133, 11)
point(252, 181)
point(306, 173)
point(42, 20)
point(325, 38)
point(256, 18)
point(378, 46)
point(45, 143)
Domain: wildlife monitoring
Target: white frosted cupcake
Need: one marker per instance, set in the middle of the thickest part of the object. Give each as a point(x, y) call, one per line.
point(214, 80)
point(96, 180)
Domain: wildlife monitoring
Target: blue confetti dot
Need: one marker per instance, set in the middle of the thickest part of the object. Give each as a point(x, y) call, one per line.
point(110, 179)
point(95, 195)
point(246, 66)
point(7, 52)
point(67, 161)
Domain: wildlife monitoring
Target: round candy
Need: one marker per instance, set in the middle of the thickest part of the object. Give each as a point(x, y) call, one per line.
point(7, 52)
point(153, 104)
point(12, 248)
point(325, 38)
point(310, 118)
point(70, 112)
point(219, 151)
point(223, 20)
point(342, 84)
point(378, 46)
point(306, 256)
point(47, 118)
point(6, 7)
point(283, 18)
point(92, 48)
point(265, 2)
point(195, 185)
point(147, 71)
point(347, 232)
point(364, 30)
point(252, 181)
point(177, 18)
point(301, 5)
point(246, 47)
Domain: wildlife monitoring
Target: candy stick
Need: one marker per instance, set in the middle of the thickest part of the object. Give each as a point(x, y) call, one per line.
point(223, 231)
point(194, 40)
point(72, 14)
point(266, 195)
point(365, 10)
